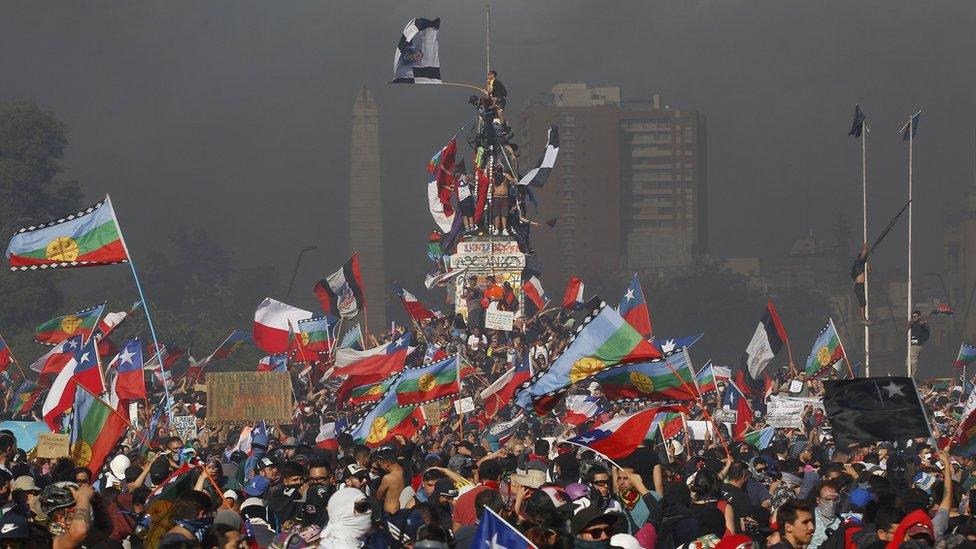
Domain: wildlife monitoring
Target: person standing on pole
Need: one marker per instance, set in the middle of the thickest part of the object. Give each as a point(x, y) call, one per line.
point(918, 331)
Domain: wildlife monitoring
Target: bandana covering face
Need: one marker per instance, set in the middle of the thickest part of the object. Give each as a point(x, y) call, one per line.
point(197, 527)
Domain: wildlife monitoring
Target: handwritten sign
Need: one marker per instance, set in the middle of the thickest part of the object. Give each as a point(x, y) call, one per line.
point(784, 413)
point(243, 397)
point(53, 445)
point(499, 320)
point(464, 405)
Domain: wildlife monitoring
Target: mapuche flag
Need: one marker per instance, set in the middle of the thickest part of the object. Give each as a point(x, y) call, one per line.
point(387, 420)
point(25, 398)
point(633, 308)
point(60, 328)
point(705, 379)
point(95, 430)
point(668, 378)
point(371, 392)
point(827, 351)
point(966, 356)
point(767, 340)
point(316, 332)
point(604, 340)
point(159, 504)
point(871, 409)
point(88, 238)
point(341, 293)
point(437, 381)
point(963, 442)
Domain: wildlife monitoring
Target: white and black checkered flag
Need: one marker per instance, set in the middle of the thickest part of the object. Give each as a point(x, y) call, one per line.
point(415, 60)
point(537, 176)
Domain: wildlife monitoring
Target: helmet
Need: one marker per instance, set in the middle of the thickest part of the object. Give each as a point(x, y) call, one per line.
point(56, 496)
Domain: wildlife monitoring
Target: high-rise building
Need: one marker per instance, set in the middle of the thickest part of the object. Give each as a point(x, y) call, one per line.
point(365, 205)
point(629, 187)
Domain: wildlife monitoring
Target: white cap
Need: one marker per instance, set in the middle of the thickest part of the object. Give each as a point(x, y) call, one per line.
point(118, 465)
point(232, 495)
point(626, 541)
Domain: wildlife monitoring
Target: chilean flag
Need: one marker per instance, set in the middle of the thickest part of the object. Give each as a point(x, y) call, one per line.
point(532, 287)
point(619, 437)
point(273, 321)
point(274, 363)
point(633, 308)
point(417, 310)
point(580, 409)
point(130, 383)
point(382, 361)
point(326, 439)
point(56, 359)
point(735, 399)
point(82, 368)
point(497, 395)
point(573, 298)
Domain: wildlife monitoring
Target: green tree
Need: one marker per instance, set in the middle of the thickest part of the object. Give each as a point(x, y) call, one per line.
point(32, 144)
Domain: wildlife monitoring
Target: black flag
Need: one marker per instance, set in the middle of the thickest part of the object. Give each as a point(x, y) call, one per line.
point(857, 128)
point(871, 409)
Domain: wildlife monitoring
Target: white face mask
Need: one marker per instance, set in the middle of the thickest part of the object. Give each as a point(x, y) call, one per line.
point(827, 509)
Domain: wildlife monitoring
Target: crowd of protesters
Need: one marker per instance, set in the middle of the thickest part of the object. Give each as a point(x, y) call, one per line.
point(430, 490)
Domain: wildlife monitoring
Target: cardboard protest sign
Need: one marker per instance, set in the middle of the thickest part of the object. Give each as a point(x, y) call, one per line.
point(241, 397)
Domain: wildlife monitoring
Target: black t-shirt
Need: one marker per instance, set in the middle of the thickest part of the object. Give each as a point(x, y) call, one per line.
point(739, 500)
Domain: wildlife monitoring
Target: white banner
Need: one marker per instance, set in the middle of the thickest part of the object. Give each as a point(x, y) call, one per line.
point(784, 414)
point(464, 405)
point(499, 320)
point(699, 429)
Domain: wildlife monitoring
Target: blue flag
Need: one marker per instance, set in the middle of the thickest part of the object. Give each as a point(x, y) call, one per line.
point(493, 532)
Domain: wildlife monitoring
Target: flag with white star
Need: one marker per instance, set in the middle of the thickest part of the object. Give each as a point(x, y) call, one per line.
point(872, 409)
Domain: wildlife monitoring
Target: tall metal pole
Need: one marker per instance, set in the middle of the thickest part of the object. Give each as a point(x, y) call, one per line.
point(864, 207)
point(487, 40)
point(908, 338)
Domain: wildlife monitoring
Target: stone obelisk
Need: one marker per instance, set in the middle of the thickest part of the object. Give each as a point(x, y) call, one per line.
point(366, 207)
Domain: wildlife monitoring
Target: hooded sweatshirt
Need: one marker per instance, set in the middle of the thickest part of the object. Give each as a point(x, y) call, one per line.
point(346, 528)
point(918, 516)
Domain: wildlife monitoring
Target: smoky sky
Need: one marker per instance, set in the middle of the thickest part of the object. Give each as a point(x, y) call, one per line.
point(235, 116)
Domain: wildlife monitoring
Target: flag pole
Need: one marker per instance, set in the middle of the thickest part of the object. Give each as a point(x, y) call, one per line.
point(908, 337)
point(864, 208)
point(842, 350)
point(13, 359)
point(145, 305)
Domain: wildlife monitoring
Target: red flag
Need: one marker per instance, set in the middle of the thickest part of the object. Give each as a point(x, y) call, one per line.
point(415, 308)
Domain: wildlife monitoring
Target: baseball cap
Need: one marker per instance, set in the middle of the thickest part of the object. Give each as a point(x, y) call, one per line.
point(920, 528)
point(354, 470)
point(258, 486)
point(860, 497)
point(444, 487)
point(588, 515)
point(232, 495)
point(265, 462)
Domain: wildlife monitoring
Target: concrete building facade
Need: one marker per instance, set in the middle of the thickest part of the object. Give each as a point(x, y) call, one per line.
point(630, 185)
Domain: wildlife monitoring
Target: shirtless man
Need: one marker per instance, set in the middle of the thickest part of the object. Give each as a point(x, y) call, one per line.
point(500, 206)
point(392, 483)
